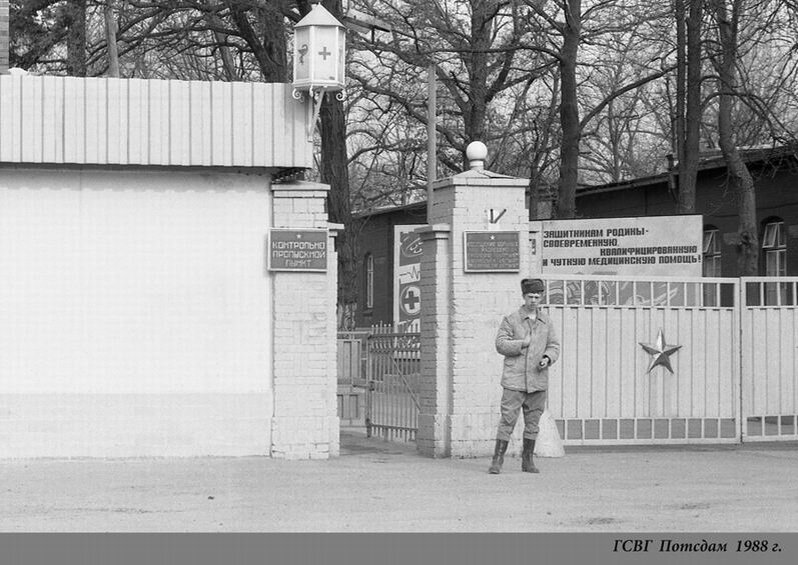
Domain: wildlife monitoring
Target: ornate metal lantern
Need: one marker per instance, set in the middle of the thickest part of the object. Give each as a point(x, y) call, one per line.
point(319, 57)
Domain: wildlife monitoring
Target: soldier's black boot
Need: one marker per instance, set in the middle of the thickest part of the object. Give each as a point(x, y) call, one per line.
point(527, 465)
point(498, 457)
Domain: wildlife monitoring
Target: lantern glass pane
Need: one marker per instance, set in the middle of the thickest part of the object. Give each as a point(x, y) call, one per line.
point(302, 54)
point(325, 52)
point(341, 55)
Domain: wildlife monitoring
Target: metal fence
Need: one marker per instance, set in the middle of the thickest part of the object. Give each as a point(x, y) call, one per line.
point(352, 372)
point(394, 374)
point(769, 358)
point(735, 376)
point(352, 357)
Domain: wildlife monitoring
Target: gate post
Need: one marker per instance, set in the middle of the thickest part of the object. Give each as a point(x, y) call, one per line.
point(461, 311)
point(305, 424)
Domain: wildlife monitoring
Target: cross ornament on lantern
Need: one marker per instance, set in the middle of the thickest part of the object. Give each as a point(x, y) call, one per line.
point(319, 59)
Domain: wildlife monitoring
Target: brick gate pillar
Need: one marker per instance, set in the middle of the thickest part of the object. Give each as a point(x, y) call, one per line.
point(304, 421)
point(461, 309)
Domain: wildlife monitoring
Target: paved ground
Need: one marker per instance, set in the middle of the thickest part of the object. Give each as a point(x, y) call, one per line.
point(377, 486)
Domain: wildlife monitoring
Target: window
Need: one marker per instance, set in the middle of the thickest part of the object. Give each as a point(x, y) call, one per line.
point(775, 248)
point(711, 252)
point(369, 281)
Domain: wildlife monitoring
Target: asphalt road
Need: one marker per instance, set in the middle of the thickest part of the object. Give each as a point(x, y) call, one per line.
point(382, 487)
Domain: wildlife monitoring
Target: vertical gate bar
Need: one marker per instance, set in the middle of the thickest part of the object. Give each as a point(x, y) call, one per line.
point(369, 383)
point(378, 386)
point(397, 419)
point(397, 387)
point(385, 383)
point(401, 385)
point(389, 400)
point(378, 417)
point(400, 394)
point(742, 303)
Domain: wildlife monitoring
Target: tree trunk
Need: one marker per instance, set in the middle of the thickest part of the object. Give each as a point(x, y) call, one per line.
point(689, 154)
point(477, 64)
point(269, 50)
point(76, 38)
point(228, 63)
point(739, 178)
point(110, 38)
point(678, 137)
point(335, 172)
point(569, 111)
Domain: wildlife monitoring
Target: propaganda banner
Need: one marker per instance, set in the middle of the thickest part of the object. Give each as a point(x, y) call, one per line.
point(407, 276)
point(670, 246)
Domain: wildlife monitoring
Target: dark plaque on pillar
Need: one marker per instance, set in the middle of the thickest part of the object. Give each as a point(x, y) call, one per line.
point(297, 250)
point(492, 252)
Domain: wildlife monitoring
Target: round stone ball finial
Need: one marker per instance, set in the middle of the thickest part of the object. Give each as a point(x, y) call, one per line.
point(476, 153)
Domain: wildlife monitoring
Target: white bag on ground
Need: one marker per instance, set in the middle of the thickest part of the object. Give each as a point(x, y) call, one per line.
point(549, 443)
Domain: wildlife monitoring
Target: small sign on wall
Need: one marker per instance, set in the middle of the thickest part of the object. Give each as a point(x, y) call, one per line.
point(492, 252)
point(297, 250)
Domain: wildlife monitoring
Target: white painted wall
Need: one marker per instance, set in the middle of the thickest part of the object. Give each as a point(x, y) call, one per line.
point(150, 285)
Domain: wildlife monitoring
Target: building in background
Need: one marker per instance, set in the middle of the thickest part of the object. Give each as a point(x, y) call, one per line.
point(775, 172)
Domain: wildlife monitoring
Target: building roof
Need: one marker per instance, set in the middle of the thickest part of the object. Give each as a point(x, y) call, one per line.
point(709, 160)
point(420, 205)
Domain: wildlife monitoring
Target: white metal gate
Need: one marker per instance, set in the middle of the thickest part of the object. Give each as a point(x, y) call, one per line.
point(735, 362)
point(605, 390)
point(769, 358)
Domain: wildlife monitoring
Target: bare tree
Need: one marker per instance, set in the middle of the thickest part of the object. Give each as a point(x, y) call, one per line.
point(483, 66)
point(110, 37)
point(727, 19)
point(688, 95)
point(569, 109)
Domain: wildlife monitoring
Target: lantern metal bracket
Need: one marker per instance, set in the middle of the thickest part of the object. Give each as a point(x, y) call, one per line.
point(315, 98)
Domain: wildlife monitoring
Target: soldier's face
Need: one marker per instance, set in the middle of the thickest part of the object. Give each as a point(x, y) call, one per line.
point(532, 299)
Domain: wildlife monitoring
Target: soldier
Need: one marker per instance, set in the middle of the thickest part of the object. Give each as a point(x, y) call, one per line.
point(529, 342)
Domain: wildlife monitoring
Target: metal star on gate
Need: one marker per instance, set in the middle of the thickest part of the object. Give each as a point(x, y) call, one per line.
point(661, 352)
